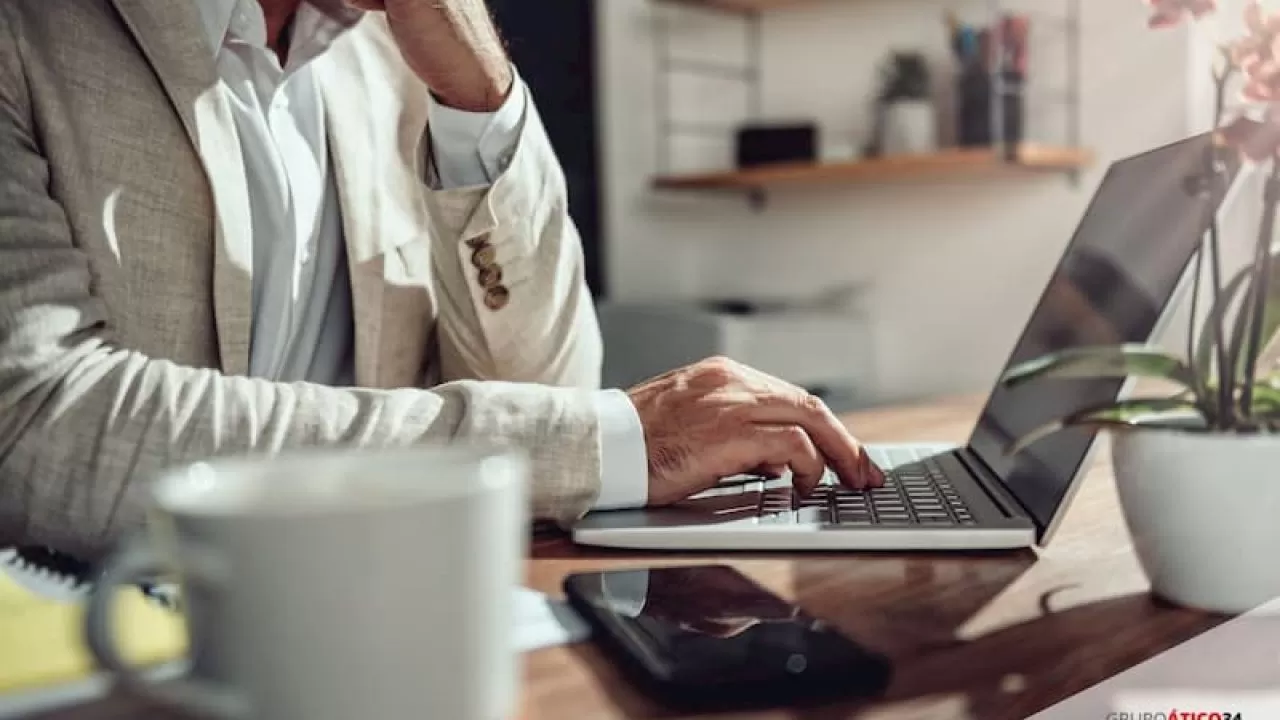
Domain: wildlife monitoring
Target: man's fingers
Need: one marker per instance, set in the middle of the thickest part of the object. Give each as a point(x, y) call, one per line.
point(826, 431)
point(770, 470)
point(873, 474)
point(877, 473)
point(791, 446)
point(367, 4)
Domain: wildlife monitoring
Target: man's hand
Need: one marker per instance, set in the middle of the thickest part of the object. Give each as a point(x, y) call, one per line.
point(718, 418)
point(453, 46)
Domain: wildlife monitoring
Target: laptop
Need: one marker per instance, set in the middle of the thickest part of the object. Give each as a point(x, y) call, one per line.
point(1114, 283)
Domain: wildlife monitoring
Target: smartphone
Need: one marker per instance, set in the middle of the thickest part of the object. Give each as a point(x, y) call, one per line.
point(707, 637)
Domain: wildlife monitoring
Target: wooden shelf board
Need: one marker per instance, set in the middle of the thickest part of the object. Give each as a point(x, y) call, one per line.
point(959, 162)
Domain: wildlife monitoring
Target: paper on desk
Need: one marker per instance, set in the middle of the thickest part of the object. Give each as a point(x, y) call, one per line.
point(539, 622)
point(542, 622)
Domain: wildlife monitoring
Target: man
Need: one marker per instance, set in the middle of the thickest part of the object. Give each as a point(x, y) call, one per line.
point(247, 226)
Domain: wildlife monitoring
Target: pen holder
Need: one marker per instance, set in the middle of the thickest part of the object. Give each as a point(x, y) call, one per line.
point(974, 107)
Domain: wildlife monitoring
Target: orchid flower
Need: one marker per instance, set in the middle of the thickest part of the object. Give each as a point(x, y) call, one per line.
point(1167, 13)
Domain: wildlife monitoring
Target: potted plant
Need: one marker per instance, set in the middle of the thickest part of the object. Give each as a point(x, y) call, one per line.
point(1198, 469)
point(906, 121)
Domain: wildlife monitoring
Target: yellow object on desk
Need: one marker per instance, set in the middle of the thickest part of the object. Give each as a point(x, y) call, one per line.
point(42, 639)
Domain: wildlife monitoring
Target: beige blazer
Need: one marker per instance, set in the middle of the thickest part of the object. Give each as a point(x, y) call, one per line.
point(126, 266)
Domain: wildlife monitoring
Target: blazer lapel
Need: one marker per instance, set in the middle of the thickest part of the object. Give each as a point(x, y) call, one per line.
point(170, 33)
point(354, 159)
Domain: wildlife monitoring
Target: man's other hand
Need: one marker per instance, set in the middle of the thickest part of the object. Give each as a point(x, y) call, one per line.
point(453, 46)
point(718, 418)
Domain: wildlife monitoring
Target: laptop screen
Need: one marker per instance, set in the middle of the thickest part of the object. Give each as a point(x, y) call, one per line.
point(1111, 286)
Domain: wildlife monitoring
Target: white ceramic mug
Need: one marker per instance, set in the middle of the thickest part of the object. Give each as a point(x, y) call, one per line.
point(336, 586)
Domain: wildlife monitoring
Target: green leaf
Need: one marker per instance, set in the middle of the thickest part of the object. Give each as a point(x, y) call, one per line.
point(1266, 398)
point(1205, 355)
point(1270, 325)
point(1103, 361)
point(1172, 412)
point(1237, 326)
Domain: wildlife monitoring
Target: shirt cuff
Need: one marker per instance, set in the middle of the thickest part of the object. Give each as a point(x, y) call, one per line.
point(624, 462)
point(472, 149)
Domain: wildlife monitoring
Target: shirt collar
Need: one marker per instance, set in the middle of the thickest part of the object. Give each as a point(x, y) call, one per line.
point(216, 15)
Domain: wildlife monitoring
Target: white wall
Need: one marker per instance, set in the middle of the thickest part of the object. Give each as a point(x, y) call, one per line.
point(948, 271)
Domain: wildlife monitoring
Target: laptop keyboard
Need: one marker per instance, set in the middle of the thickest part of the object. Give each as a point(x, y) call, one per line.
point(913, 494)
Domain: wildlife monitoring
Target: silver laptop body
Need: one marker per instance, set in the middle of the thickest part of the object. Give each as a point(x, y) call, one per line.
point(1128, 258)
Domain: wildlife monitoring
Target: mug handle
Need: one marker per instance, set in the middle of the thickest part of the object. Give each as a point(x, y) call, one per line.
point(139, 562)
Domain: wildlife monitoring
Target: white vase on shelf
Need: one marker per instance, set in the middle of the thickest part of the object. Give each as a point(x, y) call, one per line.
point(910, 128)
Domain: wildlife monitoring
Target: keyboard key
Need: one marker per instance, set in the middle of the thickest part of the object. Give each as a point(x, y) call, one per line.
point(777, 518)
point(812, 516)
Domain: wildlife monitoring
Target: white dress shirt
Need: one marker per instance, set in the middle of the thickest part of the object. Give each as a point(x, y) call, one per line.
point(302, 316)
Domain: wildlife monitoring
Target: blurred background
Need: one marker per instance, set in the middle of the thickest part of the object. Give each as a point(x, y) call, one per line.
point(864, 197)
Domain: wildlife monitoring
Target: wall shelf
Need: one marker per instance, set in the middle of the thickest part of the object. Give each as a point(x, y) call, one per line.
point(995, 158)
point(956, 162)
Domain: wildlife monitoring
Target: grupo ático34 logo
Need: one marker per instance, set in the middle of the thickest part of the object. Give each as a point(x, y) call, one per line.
point(1177, 715)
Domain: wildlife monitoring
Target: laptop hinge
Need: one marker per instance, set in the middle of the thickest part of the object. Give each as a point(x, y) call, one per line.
point(990, 483)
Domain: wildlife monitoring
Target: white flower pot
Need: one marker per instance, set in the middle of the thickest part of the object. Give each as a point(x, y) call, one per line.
point(1204, 513)
point(910, 128)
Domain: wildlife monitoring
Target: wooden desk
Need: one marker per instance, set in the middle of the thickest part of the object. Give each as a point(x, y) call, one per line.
point(974, 636)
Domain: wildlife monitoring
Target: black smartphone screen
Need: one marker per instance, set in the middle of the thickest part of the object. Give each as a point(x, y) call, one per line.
point(709, 630)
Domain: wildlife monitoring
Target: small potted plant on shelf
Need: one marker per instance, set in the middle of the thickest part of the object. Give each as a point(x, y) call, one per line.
point(906, 120)
point(1198, 469)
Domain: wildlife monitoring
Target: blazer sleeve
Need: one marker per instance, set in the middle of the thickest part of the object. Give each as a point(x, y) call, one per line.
point(84, 423)
point(508, 268)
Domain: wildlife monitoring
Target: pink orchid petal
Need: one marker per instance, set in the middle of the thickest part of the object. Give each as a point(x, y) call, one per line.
point(1253, 16)
point(1200, 8)
point(1257, 92)
point(1256, 140)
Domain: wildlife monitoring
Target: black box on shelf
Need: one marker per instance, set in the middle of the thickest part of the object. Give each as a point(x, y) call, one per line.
point(769, 144)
